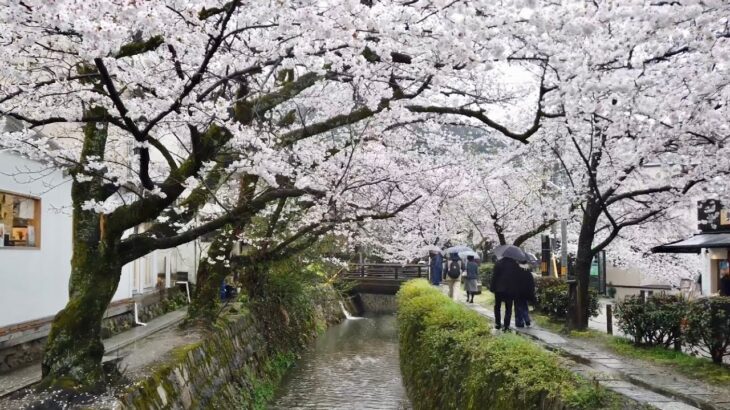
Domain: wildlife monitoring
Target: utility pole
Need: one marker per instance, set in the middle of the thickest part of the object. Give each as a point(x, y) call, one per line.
point(545, 256)
point(553, 248)
point(563, 248)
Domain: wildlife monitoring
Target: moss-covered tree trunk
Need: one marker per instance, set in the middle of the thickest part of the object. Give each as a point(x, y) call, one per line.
point(211, 273)
point(213, 270)
point(74, 351)
point(72, 359)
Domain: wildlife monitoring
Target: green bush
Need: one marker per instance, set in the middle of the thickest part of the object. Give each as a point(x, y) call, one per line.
point(707, 326)
point(611, 291)
point(552, 298)
point(450, 360)
point(485, 273)
point(654, 322)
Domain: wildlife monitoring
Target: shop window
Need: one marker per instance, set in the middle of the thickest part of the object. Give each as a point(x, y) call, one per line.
point(723, 269)
point(20, 221)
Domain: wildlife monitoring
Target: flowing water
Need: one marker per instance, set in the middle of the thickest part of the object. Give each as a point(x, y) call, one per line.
point(354, 365)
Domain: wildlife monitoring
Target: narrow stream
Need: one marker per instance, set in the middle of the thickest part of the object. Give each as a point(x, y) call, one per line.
point(354, 365)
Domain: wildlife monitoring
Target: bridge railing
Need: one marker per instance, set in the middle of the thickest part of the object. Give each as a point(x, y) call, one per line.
point(386, 271)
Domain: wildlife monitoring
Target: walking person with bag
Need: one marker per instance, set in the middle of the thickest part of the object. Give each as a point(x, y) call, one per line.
point(453, 273)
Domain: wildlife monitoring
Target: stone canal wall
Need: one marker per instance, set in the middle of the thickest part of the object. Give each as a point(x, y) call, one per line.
point(238, 364)
point(378, 304)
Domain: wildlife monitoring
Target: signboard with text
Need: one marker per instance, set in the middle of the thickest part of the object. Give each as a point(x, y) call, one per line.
point(712, 216)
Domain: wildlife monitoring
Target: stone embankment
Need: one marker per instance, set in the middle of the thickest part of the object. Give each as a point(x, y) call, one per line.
point(235, 365)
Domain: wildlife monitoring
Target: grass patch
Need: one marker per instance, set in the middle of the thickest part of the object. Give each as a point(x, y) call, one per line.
point(485, 299)
point(693, 367)
point(683, 363)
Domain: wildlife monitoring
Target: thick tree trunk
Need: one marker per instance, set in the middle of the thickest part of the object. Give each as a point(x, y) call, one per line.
point(582, 272)
point(583, 261)
point(211, 273)
point(72, 359)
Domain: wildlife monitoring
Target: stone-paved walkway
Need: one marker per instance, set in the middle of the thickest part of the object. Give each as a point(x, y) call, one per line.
point(24, 377)
point(638, 380)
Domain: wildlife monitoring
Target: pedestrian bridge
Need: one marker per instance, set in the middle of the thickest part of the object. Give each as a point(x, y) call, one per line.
point(382, 278)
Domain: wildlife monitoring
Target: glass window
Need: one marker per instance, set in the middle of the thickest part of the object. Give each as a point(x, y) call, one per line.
point(723, 268)
point(20, 218)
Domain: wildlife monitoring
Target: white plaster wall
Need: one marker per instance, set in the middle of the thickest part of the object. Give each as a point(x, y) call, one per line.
point(187, 258)
point(709, 271)
point(34, 282)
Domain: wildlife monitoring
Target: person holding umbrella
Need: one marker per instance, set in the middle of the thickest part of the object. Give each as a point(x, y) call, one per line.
point(505, 282)
point(472, 277)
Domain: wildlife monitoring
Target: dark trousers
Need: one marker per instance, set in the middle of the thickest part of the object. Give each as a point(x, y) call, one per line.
point(500, 298)
point(522, 313)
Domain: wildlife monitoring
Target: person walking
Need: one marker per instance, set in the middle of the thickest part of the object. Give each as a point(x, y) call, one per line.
point(472, 278)
point(725, 285)
point(525, 296)
point(504, 287)
point(453, 273)
point(437, 267)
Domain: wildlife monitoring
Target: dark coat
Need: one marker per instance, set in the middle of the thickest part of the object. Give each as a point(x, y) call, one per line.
point(472, 270)
point(725, 286)
point(526, 286)
point(437, 265)
point(505, 277)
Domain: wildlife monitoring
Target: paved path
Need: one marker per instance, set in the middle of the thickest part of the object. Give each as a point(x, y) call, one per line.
point(638, 380)
point(24, 377)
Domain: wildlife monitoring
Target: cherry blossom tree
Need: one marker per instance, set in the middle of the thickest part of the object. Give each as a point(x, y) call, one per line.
point(153, 107)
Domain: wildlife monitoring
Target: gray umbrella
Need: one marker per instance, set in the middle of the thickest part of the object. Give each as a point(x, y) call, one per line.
point(510, 251)
point(457, 249)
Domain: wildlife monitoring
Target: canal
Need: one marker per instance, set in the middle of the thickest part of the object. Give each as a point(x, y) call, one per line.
point(353, 365)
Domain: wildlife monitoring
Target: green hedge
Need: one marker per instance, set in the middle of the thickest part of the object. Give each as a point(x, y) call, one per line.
point(707, 326)
point(485, 273)
point(552, 298)
point(450, 360)
point(655, 321)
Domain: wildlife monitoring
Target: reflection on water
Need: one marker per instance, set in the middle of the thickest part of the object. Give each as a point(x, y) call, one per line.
point(354, 365)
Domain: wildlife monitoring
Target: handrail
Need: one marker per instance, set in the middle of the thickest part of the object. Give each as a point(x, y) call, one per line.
point(386, 271)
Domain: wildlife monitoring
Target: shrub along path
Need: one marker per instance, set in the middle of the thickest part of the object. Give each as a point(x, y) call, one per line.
point(638, 380)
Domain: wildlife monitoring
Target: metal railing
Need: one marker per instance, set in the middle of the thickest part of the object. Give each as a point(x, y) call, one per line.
point(388, 271)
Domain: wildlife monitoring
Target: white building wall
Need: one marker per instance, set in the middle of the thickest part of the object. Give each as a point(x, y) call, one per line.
point(709, 272)
point(34, 282)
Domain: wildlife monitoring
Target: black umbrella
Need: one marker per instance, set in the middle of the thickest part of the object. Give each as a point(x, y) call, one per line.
point(510, 251)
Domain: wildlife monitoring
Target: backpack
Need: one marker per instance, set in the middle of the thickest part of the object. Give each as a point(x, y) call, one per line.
point(454, 271)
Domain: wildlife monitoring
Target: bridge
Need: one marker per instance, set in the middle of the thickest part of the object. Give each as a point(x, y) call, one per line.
point(382, 278)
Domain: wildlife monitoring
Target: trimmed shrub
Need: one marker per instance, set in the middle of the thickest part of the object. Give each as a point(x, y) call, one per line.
point(654, 322)
point(707, 326)
point(552, 298)
point(450, 360)
point(485, 273)
point(611, 291)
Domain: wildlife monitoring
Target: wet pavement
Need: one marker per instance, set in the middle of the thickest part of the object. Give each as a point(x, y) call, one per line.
point(638, 380)
point(116, 347)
